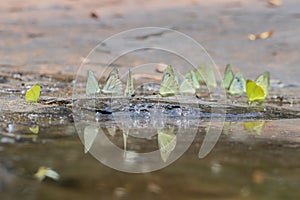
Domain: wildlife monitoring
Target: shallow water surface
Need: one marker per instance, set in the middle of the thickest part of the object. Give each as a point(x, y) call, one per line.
point(245, 164)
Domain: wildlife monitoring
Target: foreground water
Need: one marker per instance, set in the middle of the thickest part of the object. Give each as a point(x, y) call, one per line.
point(245, 164)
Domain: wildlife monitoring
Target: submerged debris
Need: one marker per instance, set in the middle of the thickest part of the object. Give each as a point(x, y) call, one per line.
point(44, 172)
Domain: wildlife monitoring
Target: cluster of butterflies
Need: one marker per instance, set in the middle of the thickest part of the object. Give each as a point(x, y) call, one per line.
point(113, 84)
point(256, 91)
point(191, 82)
point(169, 86)
point(234, 84)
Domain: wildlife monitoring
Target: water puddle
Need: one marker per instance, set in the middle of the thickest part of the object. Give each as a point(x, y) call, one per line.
point(260, 161)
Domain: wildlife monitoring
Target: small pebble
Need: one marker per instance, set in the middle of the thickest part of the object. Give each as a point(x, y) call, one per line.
point(275, 2)
point(94, 15)
point(7, 140)
point(161, 68)
point(154, 188)
point(120, 192)
point(216, 168)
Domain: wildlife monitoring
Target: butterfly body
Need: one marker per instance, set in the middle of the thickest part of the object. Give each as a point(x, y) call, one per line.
point(129, 91)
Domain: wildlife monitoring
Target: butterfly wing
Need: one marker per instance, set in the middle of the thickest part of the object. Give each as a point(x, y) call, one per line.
point(255, 92)
point(125, 138)
point(129, 91)
point(166, 141)
point(237, 86)
point(210, 77)
point(187, 86)
point(264, 81)
point(113, 84)
point(92, 86)
point(169, 85)
point(255, 126)
point(44, 172)
point(171, 70)
point(34, 129)
point(205, 75)
point(228, 77)
point(199, 73)
point(90, 134)
point(33, 94)
point(195, 80)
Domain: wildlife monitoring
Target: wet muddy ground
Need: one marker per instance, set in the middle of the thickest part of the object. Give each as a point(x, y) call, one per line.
point(47, 41)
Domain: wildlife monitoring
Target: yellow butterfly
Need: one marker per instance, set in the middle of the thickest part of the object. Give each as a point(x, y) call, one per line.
point(44, 172)
point(129, 91)
point(113, 84)
point(92, 86)
point(169, 85)
point(255, 92)
point(34, 129)
point(33, 94)
point(256, 126)
point(258, 90)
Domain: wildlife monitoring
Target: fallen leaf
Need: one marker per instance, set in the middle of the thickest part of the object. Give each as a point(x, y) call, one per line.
point(44, 172)
point(154, 188)
point(274, 2)
point(258, 177)
point(94, 15)
point(160, 68)
point(120, 192)
point(263, 35)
